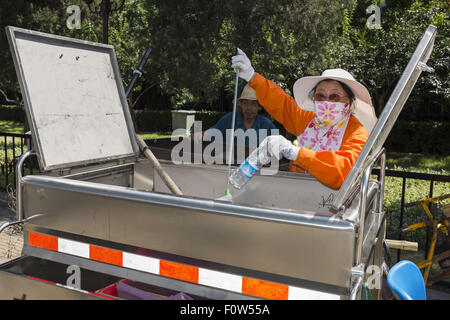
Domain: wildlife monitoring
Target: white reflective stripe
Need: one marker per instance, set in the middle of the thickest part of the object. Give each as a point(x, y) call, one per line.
point(138, 262)
point(296, 293)
point(73, 247)
point(220, 280)
point(206, 277)
point(71, 288)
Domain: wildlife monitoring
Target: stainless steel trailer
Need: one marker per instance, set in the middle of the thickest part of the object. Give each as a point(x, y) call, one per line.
point(99, 213)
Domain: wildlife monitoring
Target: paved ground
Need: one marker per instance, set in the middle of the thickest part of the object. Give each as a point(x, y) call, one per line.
point(11, 240)
point(10, 246)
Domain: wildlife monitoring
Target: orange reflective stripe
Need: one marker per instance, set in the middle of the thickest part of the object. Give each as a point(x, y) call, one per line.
point(105, 255)
point(178, 271)
point(248, 286)
point(43, 241)
point(265, 289)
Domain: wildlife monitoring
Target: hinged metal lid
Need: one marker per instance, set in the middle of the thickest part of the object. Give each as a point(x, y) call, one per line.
point(74, 99)
point(387, 118)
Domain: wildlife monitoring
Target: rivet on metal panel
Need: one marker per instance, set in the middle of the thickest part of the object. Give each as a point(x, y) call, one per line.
point(424, 67)
point(340, 212)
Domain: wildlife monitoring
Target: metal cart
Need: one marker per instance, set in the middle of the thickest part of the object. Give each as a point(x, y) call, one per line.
point(99, 213)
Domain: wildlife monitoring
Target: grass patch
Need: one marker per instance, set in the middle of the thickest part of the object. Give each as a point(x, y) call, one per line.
point(418, 163)
point(11, 178)
point(17, 127)
point(8, 153)
point(155, 135)
point(11, 127)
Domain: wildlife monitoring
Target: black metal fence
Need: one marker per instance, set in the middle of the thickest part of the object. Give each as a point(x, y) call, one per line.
point(404, 175)
point(12, 146)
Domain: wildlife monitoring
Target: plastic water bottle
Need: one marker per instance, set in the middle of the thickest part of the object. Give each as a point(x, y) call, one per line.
point(258, 158)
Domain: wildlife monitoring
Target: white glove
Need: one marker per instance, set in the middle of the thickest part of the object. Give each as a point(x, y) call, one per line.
point(242, 62)
point(279, 146)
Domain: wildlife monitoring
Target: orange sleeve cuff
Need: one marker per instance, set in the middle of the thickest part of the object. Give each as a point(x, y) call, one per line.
point(305, 157)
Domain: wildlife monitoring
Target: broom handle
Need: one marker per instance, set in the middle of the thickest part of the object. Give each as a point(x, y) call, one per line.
point(147, 152)
point(163, 174)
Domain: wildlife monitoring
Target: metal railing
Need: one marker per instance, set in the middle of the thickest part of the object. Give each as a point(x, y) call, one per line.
point(12, 146)
point(404, 175)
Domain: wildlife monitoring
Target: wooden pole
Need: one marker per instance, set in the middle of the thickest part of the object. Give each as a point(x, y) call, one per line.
point(163, 174)
point(402, 245)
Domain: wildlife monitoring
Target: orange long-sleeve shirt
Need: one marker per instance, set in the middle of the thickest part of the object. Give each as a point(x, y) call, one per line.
point(329, 167)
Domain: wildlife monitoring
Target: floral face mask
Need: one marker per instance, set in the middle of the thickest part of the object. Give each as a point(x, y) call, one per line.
point(326, 130)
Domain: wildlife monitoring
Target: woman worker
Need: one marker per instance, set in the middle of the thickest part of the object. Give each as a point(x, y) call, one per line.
point(331, 115)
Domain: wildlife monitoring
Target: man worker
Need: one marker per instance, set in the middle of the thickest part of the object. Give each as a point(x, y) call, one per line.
point(247, 118)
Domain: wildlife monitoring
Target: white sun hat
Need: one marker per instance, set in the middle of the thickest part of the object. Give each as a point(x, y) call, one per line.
point(363, 108)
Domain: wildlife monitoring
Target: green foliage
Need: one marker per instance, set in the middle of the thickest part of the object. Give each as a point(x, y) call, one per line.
point(427, 137)
point(208, 118)
point(161, 120)
point(193, 41)
point(38, 15)
point(153, 120)
point(12, 113)
point(347, 19)
point(10, 126)
point(377, 57)
point(10, 154)
point(128, 31)
point(130, 38)
point(419, 162)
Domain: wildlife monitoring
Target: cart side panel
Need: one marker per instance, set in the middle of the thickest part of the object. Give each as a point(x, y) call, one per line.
point(274, 243)
point(287, 190)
